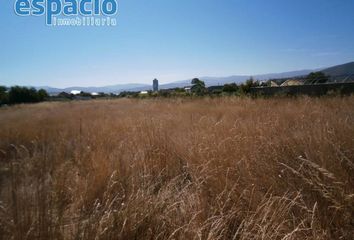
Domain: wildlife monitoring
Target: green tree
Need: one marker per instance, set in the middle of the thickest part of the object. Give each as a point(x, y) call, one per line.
point(245, 88)
point(198, 87)
point(3, 95)
point(230, 88)
point(19, 94)
point(42, 95)
point(316, 77)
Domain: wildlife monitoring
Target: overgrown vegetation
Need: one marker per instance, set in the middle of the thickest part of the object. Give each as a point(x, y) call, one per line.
point(224, 168)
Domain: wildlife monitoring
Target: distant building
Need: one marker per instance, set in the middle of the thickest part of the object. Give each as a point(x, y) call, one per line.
point(75, 92)
point(155, 85)
point(273, 84)
point(144, 92)
point(188, 89)
point(291, 82)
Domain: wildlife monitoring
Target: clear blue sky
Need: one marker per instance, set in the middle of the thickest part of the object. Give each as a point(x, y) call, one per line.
point(177, 40)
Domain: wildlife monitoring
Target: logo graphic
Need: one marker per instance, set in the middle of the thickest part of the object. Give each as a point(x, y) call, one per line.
point(70, 12)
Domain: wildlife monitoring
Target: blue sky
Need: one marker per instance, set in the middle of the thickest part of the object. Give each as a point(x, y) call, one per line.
point(177, 40)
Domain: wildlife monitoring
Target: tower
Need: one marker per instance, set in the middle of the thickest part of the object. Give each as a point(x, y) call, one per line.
point(155, 85)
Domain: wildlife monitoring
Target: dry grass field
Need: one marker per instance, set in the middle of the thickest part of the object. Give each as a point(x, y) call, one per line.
point(227, 168)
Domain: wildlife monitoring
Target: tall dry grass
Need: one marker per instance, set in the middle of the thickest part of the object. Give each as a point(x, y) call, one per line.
point(225, 168)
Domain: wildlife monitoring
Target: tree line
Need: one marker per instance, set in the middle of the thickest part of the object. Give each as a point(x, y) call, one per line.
point(197, 88)
point(17, 94)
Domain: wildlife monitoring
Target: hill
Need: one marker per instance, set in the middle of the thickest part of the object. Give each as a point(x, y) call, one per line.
point(340, 70)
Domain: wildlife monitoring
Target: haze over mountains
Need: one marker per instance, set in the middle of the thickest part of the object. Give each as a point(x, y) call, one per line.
point(340, 71)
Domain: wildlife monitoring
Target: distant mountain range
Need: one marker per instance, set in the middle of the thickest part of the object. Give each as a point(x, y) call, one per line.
point(340, 72)
point(105, 89)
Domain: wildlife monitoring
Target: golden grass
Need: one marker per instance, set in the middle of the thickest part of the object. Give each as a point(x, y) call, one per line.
point(227, 168)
